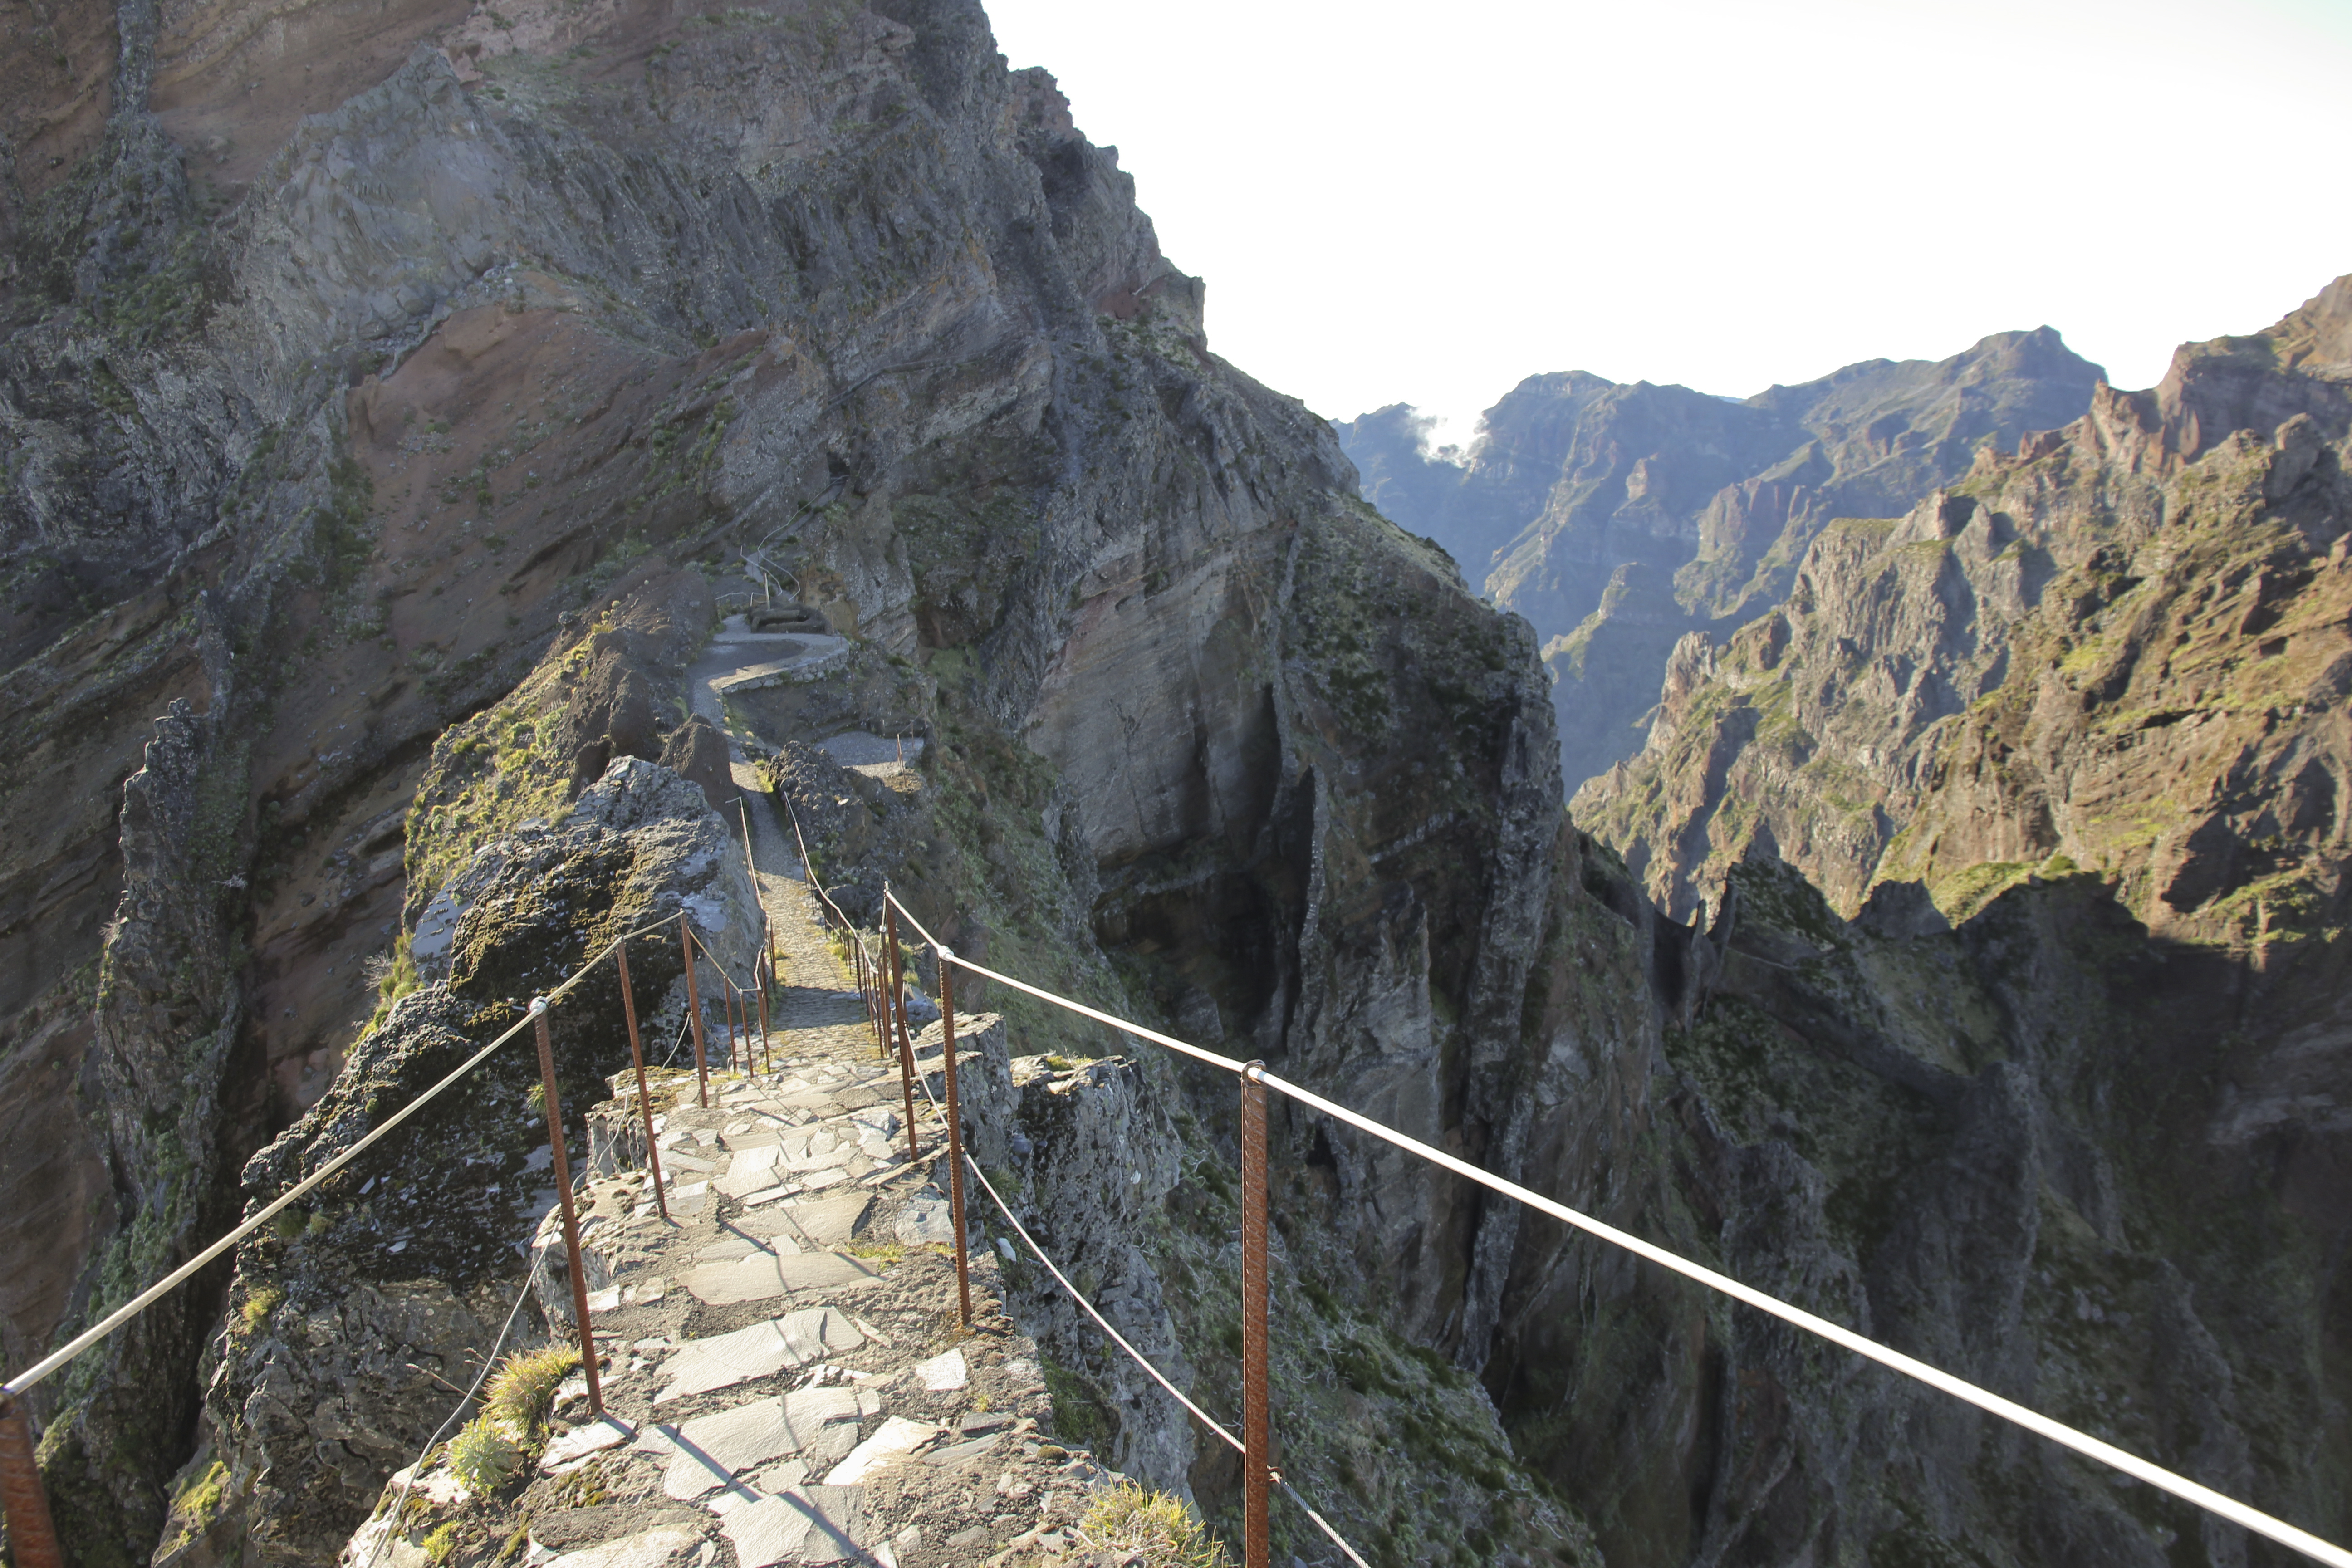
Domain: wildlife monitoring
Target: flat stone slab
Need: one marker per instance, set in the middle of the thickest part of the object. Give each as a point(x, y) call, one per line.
point(763, 1349)
point(686, 1200)
point(745, 1179)
point(823, 1222)
point(894, 1441)
point(647, 1549)
point(707, 1452)
point(764, 1276)
point(926, 1220)
point(636, 1293)
point(827, 1147)
point(603, 1433)
point(945, 1373)
point(807, 1524)
point(727, 1249)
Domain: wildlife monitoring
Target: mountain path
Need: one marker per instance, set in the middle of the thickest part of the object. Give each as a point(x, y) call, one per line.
point(785, 1376)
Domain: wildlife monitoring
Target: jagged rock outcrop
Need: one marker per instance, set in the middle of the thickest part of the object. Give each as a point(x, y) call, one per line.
point(379, 410)
point(2121, 646)
point(349, 1319)
point(1620, 518)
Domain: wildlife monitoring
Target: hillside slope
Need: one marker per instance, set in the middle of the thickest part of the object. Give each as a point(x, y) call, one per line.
point(389, 417)
point(2123, 643)
point(1617, 517)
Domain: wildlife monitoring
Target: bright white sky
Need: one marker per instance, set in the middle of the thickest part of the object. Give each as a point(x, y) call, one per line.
point(1428, 202)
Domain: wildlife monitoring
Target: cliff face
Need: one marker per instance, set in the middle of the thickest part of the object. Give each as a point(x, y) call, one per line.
point(2062, 745)
point(365, 383)
point(2121, 645)
point(1619, 518)
point(393, 406)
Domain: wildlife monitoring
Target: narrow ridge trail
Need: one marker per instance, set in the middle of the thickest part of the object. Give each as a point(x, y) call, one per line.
point(786, 1378)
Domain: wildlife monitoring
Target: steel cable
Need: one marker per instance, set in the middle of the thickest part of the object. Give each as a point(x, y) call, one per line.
point(1061, 1280)
point(2179, 1485)
point(32, 1376)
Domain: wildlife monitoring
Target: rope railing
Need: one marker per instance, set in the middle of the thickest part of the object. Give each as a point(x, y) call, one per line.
point(960, 1159)
point(31, 1530)
point(740, 997)
point(1255, 1078)
point(40, 1370)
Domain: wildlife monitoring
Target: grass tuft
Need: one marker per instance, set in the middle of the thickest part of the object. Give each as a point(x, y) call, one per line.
point(484, 1455)
point(264, 1301)
point(521, 1389)
point(1148, 1529)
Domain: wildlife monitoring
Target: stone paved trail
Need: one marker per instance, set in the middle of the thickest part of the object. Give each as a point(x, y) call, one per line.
point(785, 1376)
point(814, 972)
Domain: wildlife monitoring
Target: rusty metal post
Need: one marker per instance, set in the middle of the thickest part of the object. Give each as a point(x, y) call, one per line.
point(1256, 1429)
point(563, 1199)
point(32, 1538)
point(694, 1010)
point(734, 996)
point(644, 1095)
point(743, 809)
point(866, 962)
point(955, 1136)
point(894, 1014)
point(767, 1051)
point(857, 970)
point(771, 949)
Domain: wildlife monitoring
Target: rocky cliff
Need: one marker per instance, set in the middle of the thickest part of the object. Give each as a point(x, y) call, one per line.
point(392, 400)
point(374, 384)
point(1619, 518)
point(2063, 744)
point(2121, 645)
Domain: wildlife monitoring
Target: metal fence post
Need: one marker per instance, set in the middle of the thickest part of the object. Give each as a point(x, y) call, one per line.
point(894, 1015)
point(866, 992)
point(564, 1198)
point(955, 1136)
point(1256, 1429)
point(767, 1049)
point(32, 1538)
point(694, 1010)
point(734, 998)
point(644, 1095)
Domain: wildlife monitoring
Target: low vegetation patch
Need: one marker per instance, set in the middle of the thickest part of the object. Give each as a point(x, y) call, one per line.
point(521, 1389)
point(1153, 1529)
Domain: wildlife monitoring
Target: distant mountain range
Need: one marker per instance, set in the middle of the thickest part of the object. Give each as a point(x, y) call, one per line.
point(1618, 518)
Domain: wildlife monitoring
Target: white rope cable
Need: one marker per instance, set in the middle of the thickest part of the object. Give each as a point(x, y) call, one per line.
point(949, 955)
point(32, 1376)
point(2130, 1463)
point(1321, 1523)
point(1120, 1339)
point(1137, 1356)
point(480, 1377)
point(2179, 1485)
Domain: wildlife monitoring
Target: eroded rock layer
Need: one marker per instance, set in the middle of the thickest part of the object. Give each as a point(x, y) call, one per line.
point(1618, 518)
point(393, 401)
